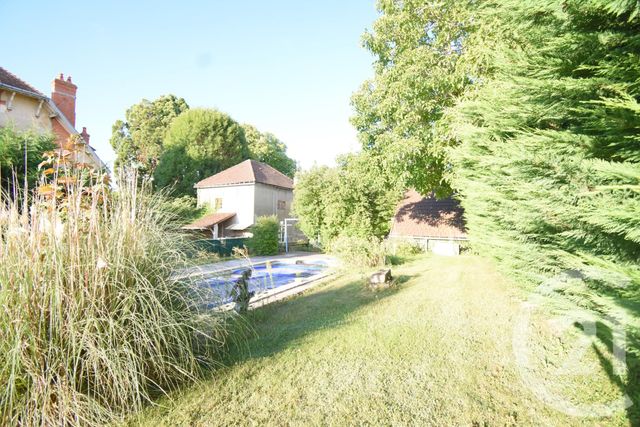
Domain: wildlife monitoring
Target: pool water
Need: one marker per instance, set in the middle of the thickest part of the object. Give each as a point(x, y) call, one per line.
point(263, 278)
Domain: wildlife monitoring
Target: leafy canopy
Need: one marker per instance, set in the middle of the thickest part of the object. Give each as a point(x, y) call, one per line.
point(138, 141)
point(529, 110)
point(418, 73)
point(267, 148)
point(199, 143)
point(357, 198)
point(548, 160)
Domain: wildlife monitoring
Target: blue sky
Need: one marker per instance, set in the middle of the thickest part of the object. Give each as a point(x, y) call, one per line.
point(286, 66)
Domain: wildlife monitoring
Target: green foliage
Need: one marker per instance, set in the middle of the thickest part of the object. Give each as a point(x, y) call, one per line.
point(357, 198)
point(313, 188)
point(199, 143)
point(530, 110)
point(358, 251)
point(138, 141)
point(549, 153)
point(266, 148)
point(14, 147)
point(265, 236)
point(93, 323)
point(184, 209)
point(419, 71)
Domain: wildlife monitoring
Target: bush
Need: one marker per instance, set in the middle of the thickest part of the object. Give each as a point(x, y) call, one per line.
point(184, 209)
point(359, 251)
point(14, 146)
point(265, 236)
point(92, 324)
point(403, 248)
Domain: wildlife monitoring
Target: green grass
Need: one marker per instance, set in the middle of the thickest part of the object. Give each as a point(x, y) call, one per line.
point(436, 350)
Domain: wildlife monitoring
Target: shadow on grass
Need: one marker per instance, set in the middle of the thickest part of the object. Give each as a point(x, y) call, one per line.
point(621, 356)
point(282, 324)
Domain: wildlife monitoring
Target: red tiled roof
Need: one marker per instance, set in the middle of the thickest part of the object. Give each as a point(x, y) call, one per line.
point(249, 171)
point(421, 216)
point(9, 79)
point(209, 221)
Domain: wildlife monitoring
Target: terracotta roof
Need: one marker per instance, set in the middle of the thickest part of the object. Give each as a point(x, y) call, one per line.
point(421, 216)
point(209, 221)
point(247, 172)
point(9, 79)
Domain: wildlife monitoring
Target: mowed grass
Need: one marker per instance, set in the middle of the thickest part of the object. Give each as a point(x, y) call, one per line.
point(435, 350)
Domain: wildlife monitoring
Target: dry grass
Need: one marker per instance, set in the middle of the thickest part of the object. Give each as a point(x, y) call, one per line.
point(91, 325)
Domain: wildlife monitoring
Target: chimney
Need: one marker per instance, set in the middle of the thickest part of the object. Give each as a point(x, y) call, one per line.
point(63, 94)
point(85, 135)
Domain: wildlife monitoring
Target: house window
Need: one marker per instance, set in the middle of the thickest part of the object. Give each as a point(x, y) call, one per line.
point(217, 203)
point(281, 204)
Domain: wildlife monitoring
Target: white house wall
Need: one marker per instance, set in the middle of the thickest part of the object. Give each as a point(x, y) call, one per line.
point(266, 201)
point(235, 198)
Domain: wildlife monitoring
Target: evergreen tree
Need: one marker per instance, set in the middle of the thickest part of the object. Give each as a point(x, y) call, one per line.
point(549, 141)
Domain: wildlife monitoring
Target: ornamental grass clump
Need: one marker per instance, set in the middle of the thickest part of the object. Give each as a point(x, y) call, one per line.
point(92, 326)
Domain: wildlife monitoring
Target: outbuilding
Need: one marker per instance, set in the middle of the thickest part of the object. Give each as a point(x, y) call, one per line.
point(436, 225)
point(239, 195)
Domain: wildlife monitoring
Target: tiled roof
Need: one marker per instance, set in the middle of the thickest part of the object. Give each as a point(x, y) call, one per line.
point(9, 79)
point(421, 216)
point(247, 172)
point(209, 221)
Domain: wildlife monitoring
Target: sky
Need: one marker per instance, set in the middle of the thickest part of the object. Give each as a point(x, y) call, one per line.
point(286, 66)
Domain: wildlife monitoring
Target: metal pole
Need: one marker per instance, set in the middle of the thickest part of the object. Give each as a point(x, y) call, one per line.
point(286, 238)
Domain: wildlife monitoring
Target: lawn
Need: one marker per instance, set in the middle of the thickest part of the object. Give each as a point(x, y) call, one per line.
point(436, 349)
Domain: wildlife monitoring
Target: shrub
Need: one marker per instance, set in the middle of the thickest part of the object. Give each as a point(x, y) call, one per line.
point(403, 248)
point(358, 251)
point(265, 236)
point(14, 147)
point(184, 209)
point(92, 324)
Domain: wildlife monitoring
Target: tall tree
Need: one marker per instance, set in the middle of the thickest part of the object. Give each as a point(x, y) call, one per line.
point(267, 148)
point(352, 199)
point(199, 143)
point(528, 109)
point(549, 154)
point(139, 139)
point(310, 199)
point(419, 72)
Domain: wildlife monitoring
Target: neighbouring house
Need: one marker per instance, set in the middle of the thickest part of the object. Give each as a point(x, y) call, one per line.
point(25, 108)
point(435, 225)
point(239, 195)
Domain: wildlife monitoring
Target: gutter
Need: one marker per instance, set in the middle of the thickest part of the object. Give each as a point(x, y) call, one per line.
point(58, 114)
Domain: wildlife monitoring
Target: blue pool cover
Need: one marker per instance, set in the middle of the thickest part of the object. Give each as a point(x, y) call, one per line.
point(264, 277)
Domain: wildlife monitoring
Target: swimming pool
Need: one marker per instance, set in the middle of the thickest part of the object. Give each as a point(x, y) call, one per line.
point(266, 276)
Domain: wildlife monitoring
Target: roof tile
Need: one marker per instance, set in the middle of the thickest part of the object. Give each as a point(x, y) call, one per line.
point(247, 172)
point(11, 79)
point(421, 216)
point(209, 221)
